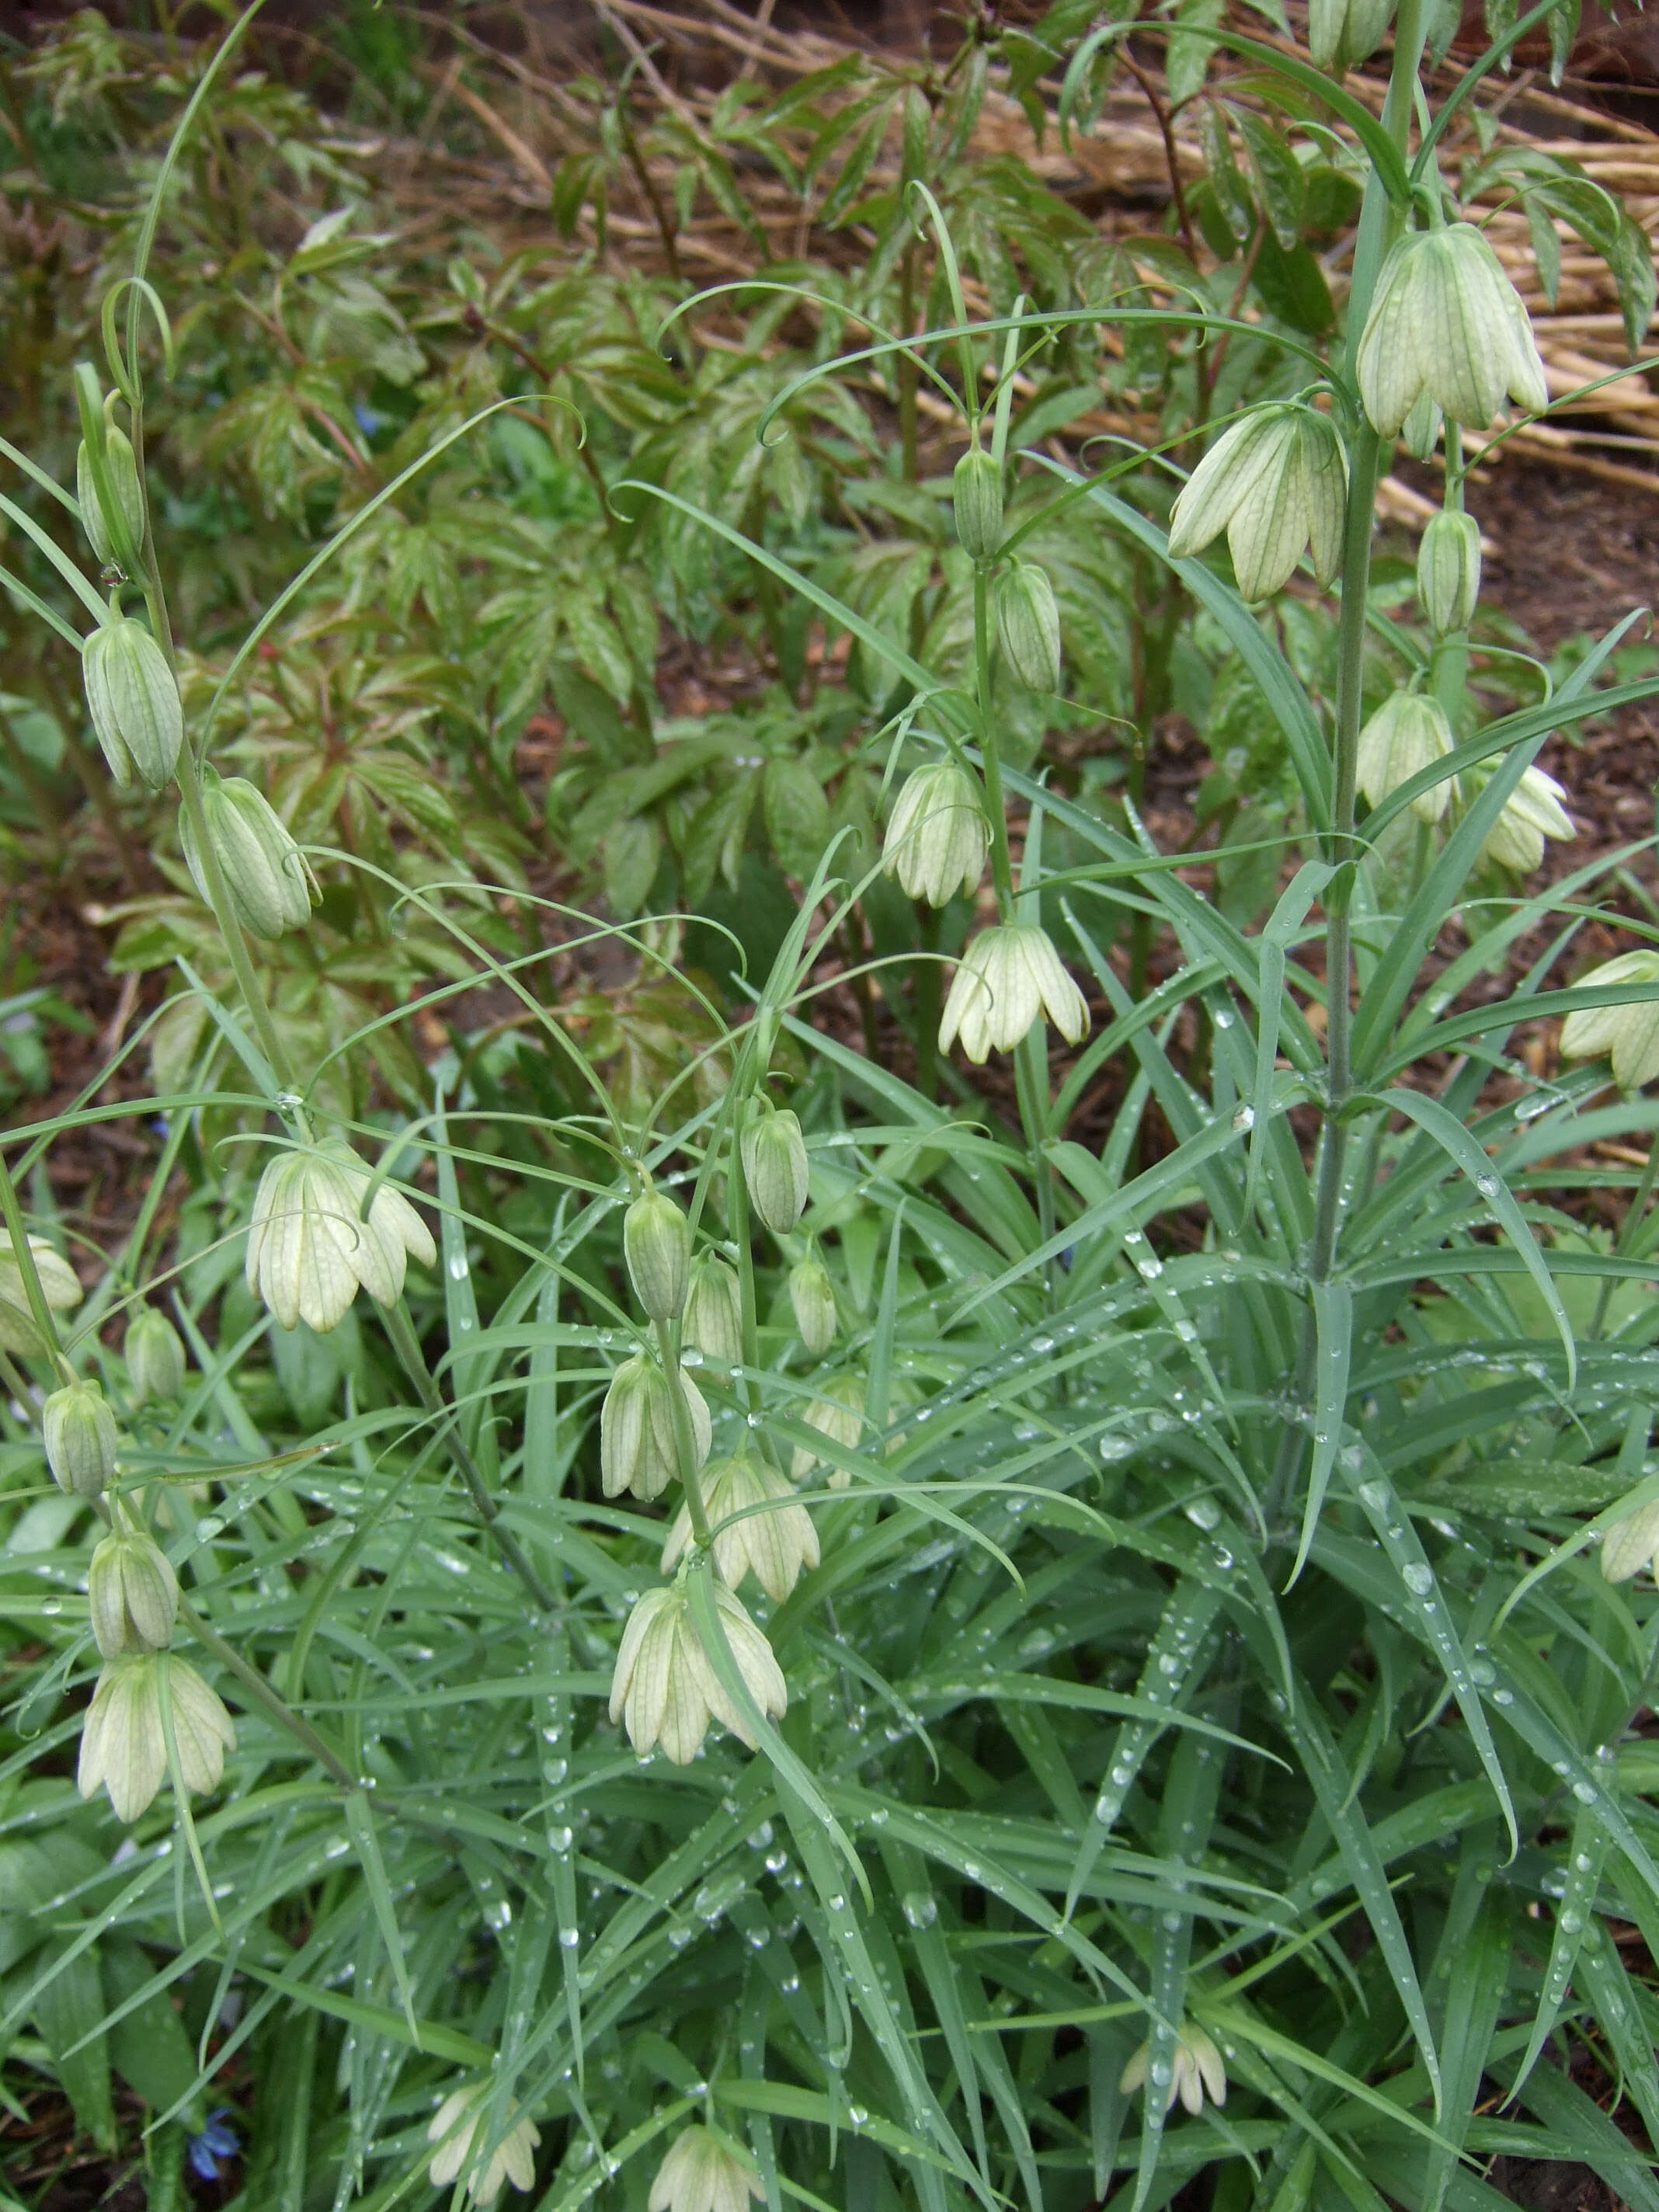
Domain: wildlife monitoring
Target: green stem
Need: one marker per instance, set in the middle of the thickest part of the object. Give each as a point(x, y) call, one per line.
point(257, 1686)
point(407, 1345)
point(685, 1444)
point(996, 809)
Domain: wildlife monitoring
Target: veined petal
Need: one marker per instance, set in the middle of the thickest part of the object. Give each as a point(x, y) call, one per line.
point(1225, 476)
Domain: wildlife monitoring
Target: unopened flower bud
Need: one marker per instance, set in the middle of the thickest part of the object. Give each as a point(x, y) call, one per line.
point(1007, 979)
point(976, 495)
point(133, 701)
point(1628, 1034)
point(133, 1593)
point(457, 2123)
point(760, 1527)
point(81, 1439)
point(268, 878)
point(665, 1689)
point(122, 1741)
point(936, 837)
point(156, 1357)
point(714, 1312)
point(1446, 321)
point(1533, 812)
point(812, 1294)
point(1405, 734)
point(657, 1243)
point(309, 1247)
point(774, 1169)
point(123, 466)
point(1343, 33)
point(1449, 571)
point(1277, 483)
point(638, 1451)
point(1028, 623)
point(1419, 433)
point(1198, 2067)
point(59, 1284)
point(704, 2172)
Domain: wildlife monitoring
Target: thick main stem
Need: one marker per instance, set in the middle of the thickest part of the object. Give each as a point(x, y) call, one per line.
point(996, 807)
point(685, 1444)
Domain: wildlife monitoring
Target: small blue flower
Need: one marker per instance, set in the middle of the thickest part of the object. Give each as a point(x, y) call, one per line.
point(368, 419)
point(216, 2142)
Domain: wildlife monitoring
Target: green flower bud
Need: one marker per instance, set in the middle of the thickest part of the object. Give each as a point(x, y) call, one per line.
point(1628, 1034)
point(1277, 483)
point(657, 1243)
point(637, 1446)
point(268, 876)
point(133, 702)
point(937, 837)
point(812, 1294)
point(58, 1282)
point(1449, 571)
point(1028, 623)
point(1420, 431)
point(133, 1593)
point(1403, 737)
point(714, 1312)
point(123, 1743)
point(123, 465)
point(1631, 1544)
point(156, 1357)
point(1446, 321)
point(1343, 33)
point(774, 1169)
point(81, 1439)
point(976, 494)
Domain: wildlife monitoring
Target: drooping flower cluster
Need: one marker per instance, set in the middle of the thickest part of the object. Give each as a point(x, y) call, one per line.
point(310, 1247)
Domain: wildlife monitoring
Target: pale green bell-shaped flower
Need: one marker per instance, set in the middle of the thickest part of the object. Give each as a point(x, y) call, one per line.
point(1532, 812)
point(1197, 2067)
point(638, 1450)
point(704, 2172)
point(1447, 323)
point(310, 1249)
point(1633, 1543)
point(760, 1526)
point(664, 1689)
point(1341, 33)
point(1408, 733)
point(460, 2121)
point(937, 836)
point(59, 1284)
point(1007, 979)
point(714, 1311)
point(1629, 1035)
point(1277, 483)
point(838, 1414)
point(124, 1745)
